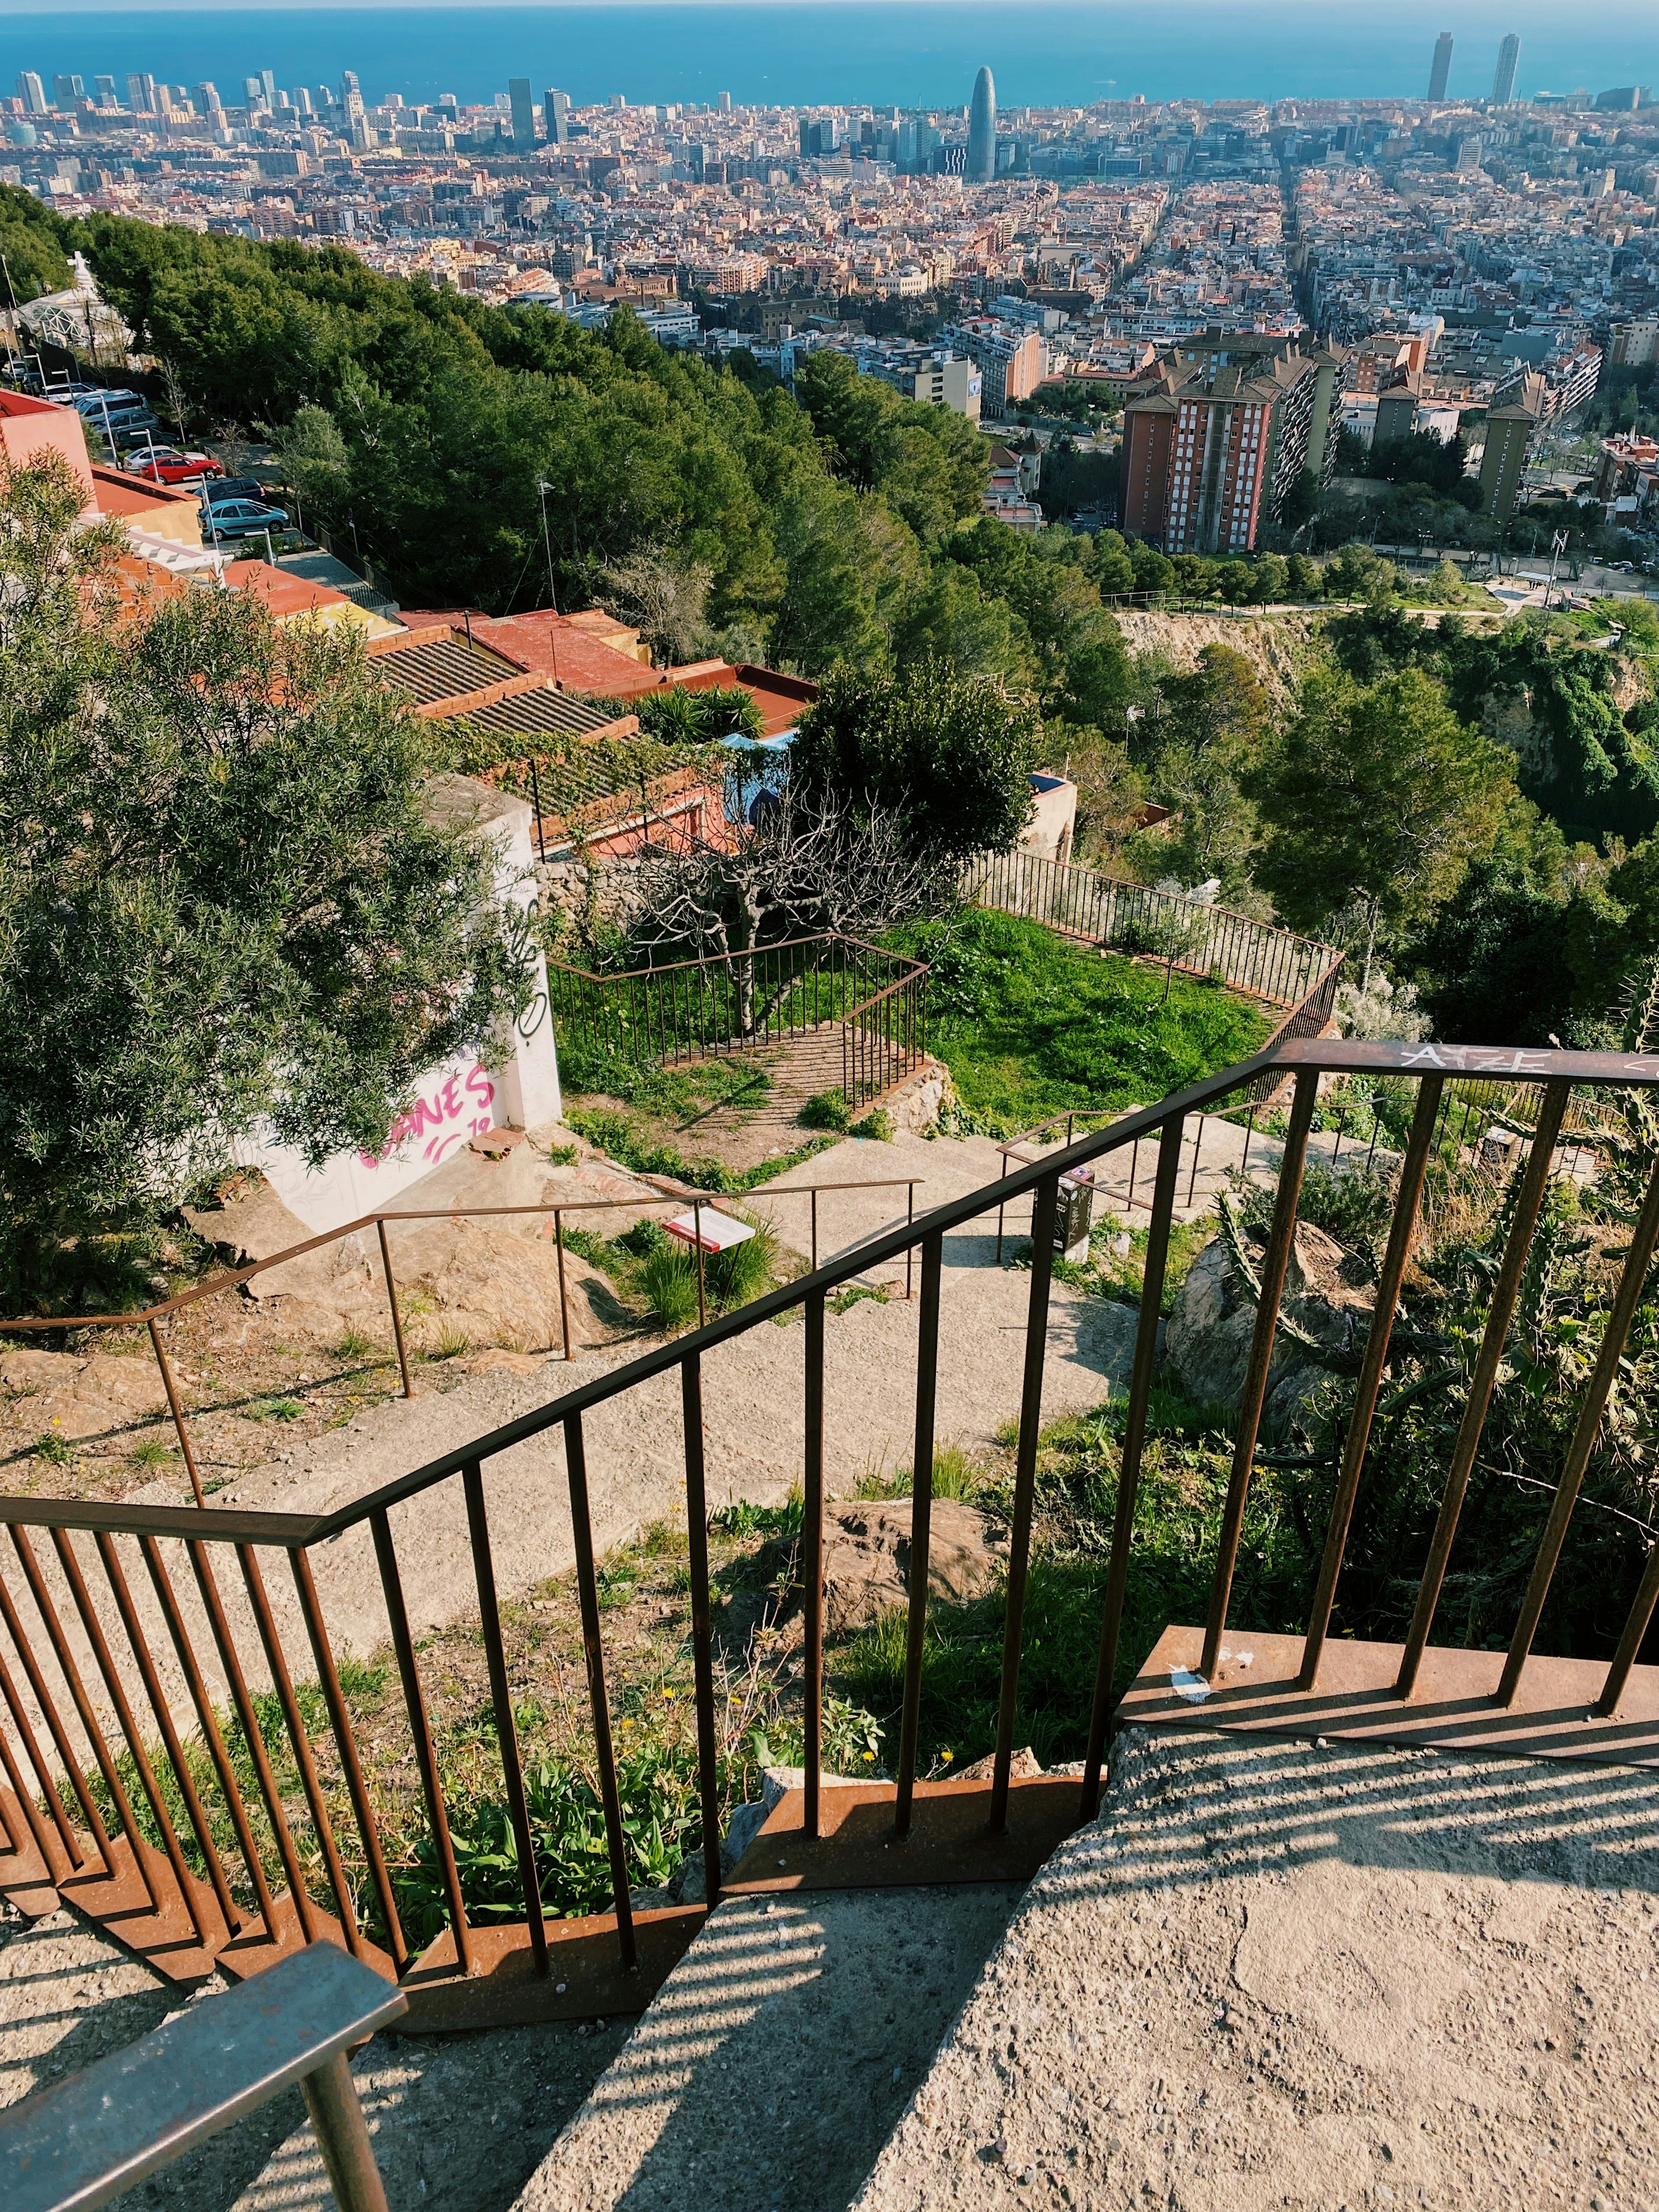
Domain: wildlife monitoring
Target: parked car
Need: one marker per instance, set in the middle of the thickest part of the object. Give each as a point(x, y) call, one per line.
point(93, 402)
point(243, 518)
point(129, 430)
point(232, 487)
point(172, 464)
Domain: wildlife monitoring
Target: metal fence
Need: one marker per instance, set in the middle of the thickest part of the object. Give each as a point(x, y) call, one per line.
point(775, 994)
point(1194, 939)
point(912, 1830)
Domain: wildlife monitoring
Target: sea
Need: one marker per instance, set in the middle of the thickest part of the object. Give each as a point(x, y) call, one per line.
point(902, 53)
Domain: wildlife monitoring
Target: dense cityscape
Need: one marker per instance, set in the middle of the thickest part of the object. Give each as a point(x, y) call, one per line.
point(1482, 255)
point(830, 1122)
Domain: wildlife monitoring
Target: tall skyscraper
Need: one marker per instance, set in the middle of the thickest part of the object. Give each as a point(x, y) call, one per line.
point(253, 91)
point(141, 93)
point(523, 110)
point(726, 103)
point(66, 90)
point(1503, 85)
point(268, 82)
point(349, 85)
point(31, 92)
point(1442, 70)
point(104, 91)
point(982, 130)
point(556, 108)
point(206, 101)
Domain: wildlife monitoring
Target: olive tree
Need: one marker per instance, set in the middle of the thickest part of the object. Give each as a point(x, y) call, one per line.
point(223, 905)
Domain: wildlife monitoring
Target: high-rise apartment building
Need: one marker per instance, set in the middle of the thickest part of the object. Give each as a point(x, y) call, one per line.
point(1215, 438)
point(556, 108)
point(1503, 83)
point(1509, 434)
point(31, 92)
point(1011, 361)
point(349, 87)
point(253, 91)
point(66, 90)
point(1441, 70)
point(982, 130)
point(207, 100)
point(141, 93)
point(268, 85)
point(726, 103)
point(103, 91)
point(522, 108)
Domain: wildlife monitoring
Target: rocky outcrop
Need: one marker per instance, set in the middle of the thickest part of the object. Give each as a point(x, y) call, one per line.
point(1277, 646)
point(867, 1559)
point(1327, 1295)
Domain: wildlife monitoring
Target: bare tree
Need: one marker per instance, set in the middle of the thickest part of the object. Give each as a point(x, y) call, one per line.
point(804, 865)
point(665, 599)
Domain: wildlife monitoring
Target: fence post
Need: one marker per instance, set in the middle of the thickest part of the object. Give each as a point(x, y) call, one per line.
point(392, 1300)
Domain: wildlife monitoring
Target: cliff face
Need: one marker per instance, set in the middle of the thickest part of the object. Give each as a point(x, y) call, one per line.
point(1277, 646)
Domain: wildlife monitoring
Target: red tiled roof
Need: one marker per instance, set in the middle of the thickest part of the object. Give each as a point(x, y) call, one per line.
point(283, 594)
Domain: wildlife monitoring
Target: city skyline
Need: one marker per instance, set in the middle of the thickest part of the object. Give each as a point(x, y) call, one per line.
point(815, 53)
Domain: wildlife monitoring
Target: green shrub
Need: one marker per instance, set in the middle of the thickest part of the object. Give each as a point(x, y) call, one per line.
point(827, 1110)
point(745, 1271)
point(668, 1283)
point(645, 1238)
point(878, 1124)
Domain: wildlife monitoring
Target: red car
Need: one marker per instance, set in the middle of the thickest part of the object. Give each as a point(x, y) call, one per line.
point(171, 465)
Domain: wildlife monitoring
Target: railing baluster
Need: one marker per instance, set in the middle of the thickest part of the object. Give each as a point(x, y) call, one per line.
point(43, 1774)
point(207, 1583)
point(169, 1733)
point(1383, 1308)
point(702, 1640)
point(812, 1556)
point(54, 1722)
point(921, 1507)
point(397, 1318)
point(419, 1730)
point(587, 1592)
point(1135, 1441)
point(322, 1825)
point(345, 1740)
point(1261, 1351)
point(1019, 1540)
point(208, 1724)
point(1629, 1641)
point(1533, 1184)
point(506, 1730)
point(1630, 1285)
point(25, 1797)
point(128, 1728)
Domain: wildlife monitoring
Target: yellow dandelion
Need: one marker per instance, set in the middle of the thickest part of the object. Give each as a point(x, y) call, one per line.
point(869, 1754)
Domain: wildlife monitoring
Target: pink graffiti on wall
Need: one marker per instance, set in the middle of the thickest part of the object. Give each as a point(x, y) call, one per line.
point(452, 1114)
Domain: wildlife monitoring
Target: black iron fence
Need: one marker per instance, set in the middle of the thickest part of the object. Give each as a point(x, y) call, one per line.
point(771, 995)
point(95, 1556)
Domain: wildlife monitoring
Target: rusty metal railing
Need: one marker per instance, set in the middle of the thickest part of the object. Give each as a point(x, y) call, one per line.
point(912, 1830)
point(751, 1000)
point(150, 1317)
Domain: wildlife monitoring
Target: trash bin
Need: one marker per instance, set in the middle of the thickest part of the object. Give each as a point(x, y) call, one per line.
point(1075, 1214)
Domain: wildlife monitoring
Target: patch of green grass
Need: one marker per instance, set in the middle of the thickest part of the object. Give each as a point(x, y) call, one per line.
point(1030, 1025)
point(620, 1138)
point(55, 1450)
point(150, 1452)
point(740, 1520)
point(453, 1341)
point(275, 1409)
point(955, 1475)
point(854, 1294)
point(354, 1345)
point(1182, 1491)
point(668, 1283)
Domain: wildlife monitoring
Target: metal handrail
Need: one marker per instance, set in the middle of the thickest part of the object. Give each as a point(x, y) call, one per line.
point(61, 1844)
point(233, 1278)
point(73, 2147)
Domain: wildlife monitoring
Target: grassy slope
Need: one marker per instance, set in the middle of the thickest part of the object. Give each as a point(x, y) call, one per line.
point(1030, 1025)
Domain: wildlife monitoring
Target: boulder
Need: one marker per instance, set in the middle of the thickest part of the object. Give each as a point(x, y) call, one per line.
point(867, 1559)
point(1328, 1292)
